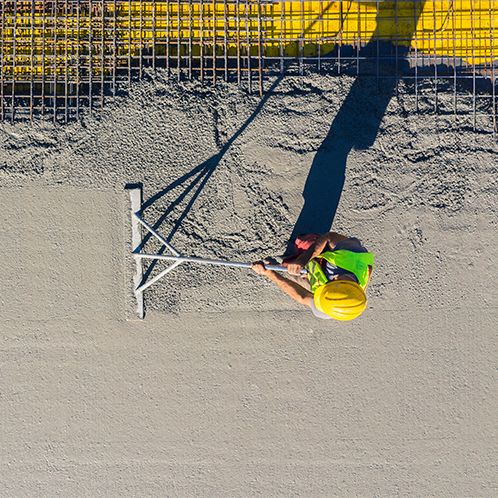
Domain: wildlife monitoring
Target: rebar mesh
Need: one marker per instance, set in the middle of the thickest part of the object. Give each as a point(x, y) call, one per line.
point(58, 56)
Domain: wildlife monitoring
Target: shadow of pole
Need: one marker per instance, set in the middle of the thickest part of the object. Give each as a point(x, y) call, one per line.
point(355, 125)
point(195, 181)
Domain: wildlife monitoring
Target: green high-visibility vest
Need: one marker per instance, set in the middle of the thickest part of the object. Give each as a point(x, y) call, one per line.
point(355, 262)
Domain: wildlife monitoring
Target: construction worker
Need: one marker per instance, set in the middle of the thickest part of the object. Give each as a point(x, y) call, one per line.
point(338, 269)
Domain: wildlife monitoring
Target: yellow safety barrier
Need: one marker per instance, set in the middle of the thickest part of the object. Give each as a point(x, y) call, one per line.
point(77, 40)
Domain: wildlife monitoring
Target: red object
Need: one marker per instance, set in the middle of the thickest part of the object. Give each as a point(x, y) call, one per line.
point(302, 243)
point(305, 241)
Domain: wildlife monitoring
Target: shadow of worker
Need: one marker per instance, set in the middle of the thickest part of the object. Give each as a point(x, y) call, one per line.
point(357, 122)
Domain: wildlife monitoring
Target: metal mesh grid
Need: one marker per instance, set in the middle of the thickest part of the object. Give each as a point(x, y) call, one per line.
point(58, 56)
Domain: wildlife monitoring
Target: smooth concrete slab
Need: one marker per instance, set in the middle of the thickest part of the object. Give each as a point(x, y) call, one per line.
point(228, 388)
point(62, 254)
point(243, 405)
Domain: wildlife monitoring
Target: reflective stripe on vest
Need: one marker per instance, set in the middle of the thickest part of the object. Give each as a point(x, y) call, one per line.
point(354, 262)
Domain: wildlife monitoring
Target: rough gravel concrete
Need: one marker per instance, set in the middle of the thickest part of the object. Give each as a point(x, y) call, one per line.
point(228, 388)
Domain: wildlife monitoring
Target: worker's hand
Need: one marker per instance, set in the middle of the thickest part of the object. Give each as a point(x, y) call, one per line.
point(294, 268)
point(259, 268)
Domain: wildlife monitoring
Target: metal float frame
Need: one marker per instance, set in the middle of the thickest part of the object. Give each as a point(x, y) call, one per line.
point(137, 222)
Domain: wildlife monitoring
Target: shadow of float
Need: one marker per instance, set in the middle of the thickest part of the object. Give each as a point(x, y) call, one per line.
point(193, 183)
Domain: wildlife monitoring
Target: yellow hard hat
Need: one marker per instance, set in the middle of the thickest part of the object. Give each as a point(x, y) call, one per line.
point(341, 299)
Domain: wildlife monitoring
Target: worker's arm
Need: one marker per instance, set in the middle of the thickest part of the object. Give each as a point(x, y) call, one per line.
point(330, 238)
point(292, 289)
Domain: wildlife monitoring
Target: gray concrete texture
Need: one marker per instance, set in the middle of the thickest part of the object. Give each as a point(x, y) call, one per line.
point(228, 388)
